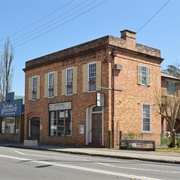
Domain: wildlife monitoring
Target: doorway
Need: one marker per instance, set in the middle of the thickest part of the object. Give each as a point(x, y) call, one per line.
point(97, 128)
point(35, 128)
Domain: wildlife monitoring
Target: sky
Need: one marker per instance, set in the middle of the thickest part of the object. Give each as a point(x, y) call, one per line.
point(40, 27)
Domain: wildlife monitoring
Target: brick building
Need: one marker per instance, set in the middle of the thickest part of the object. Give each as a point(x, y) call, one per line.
point(63, 89)
point(170, 89)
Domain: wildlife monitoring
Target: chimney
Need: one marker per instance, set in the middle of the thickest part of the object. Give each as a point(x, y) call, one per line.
point(130, 38)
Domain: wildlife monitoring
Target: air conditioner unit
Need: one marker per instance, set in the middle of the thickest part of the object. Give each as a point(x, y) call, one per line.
point(118, 66)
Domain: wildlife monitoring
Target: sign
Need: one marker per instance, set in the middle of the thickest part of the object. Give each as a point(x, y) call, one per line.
point(81, 129)
point(11, 107)
point(100, 98)
point(60, 106)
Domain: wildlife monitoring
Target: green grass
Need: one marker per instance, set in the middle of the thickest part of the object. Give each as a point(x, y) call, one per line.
point(168, 149)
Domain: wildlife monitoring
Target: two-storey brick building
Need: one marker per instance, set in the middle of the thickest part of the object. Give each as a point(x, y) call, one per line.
point(61, 92)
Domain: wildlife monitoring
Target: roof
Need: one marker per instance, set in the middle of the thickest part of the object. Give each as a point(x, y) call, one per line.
point(166, 75)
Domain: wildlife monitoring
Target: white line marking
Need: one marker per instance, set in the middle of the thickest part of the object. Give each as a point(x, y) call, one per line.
point(81, 168)
point(19, 152)
point(105, 164)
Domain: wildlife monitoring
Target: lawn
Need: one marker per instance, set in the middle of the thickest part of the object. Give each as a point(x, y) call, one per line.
point(169, 149)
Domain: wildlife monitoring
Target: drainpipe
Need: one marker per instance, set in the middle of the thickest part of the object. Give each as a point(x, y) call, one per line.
point(113, 53)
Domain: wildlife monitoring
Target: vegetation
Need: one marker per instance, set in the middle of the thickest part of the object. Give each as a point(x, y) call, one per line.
point(6, 69)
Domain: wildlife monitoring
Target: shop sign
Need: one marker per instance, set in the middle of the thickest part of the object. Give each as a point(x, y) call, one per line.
point(13, 108)
point(60, 106)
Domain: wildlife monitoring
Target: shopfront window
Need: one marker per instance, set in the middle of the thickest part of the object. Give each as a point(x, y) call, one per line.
point(9, 126)
point(61, 123)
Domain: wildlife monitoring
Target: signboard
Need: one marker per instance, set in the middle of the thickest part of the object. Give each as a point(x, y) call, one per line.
point(60, 106)
point(81, 129)
point(11, 107)
point(100, 99)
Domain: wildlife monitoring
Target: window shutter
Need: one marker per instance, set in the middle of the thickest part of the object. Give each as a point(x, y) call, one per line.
point(149, 77)
point(38, 87)
point(63, 83)
point(30, 88)
point(45, 85)
point(85, 78)
point(139, 75)
point(55, 83)
point(75, 80)
point(98, 75)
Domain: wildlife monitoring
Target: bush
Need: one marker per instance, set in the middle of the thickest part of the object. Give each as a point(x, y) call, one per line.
point(165, 141)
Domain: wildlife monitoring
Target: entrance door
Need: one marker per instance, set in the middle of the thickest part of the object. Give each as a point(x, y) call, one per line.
point(35, 128)
point(97, 128)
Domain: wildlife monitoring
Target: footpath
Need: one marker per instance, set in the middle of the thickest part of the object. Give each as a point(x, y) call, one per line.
point(156, 156)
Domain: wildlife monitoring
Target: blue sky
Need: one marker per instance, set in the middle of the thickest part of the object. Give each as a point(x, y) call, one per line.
point(40, 27)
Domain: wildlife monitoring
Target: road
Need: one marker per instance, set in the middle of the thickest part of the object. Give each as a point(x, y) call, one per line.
point(27, 164)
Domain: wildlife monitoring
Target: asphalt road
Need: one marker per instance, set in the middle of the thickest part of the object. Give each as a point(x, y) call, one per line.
point(26, 164)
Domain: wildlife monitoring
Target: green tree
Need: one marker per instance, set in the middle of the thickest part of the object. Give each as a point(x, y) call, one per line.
point(173, 70)
point(6, 69)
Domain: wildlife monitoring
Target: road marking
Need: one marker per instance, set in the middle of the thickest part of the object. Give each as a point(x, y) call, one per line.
point(81, 168)
point(19, 152)
point(105, 164)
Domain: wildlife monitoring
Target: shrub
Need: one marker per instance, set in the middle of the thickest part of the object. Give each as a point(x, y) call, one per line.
point(165, 141)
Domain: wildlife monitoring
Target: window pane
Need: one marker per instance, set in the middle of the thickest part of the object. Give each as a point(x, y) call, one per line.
point(53, 126)
point(68, 123)
point(61, 123)
point(144, 74)
point(92, 77)
point(34, 88)
point(171, 88)
point(69, 81)
point(51, 85)
point(146, 117)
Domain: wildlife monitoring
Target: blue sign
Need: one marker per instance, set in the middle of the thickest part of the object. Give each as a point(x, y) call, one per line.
point(11, 107)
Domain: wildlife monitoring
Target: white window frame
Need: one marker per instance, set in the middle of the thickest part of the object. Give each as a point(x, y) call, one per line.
point(51, 86)
point(69, 82)
point(146, 118)
point(144, 75)
point(34, 89)
point(89, 64)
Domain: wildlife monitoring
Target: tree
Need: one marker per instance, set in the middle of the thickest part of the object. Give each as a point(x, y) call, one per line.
point(169, 108)
point(173, 70)
point(6, 69)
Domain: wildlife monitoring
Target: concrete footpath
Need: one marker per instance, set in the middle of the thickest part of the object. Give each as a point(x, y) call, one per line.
point(156, 156)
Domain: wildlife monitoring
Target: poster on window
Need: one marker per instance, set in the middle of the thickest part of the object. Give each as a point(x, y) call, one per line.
point(81, 129)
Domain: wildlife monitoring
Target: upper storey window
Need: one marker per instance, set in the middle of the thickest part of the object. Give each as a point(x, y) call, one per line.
point(171, 88)
point(34, 87)
point(143, 75)
point(92, 76)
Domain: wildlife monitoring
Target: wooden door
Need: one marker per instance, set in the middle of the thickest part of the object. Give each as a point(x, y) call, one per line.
point(97, 128)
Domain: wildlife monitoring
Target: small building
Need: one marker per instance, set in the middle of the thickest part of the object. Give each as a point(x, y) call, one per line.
point(171, 89)
point(89, 93)
point(11, 119)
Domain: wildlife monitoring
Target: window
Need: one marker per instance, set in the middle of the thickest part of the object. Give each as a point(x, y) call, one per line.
point(69, 81)
point(92, 77)
point(34, 87)
point(171, 88)
point(51, 85)
point(143, 75)
point(61, 123)
point(146, 117)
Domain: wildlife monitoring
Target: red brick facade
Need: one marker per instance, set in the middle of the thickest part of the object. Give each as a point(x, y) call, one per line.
point(123, 111)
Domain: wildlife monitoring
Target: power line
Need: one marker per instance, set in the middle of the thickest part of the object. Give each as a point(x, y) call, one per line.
point(63, 23)
point(30, 33)
point(38, 20)
point(56, 22)
point(153, 16)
